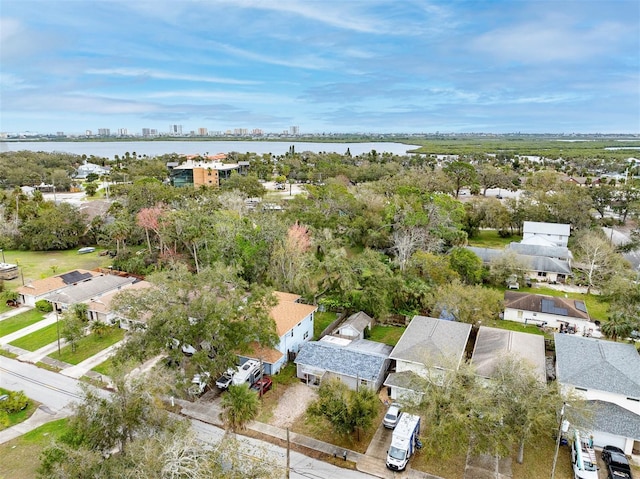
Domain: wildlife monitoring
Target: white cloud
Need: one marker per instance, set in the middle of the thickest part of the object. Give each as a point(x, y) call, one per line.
point(160, 75)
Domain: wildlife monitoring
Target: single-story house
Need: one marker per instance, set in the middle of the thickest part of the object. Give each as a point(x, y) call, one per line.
point(84, 291)
point(426, 346)
point(360, 363)
point(557, 233)
point(294, 325)
point(607, 374)
point(493, 343)
point(34, 291)
point(354, 326)
point(99, 309)
point(87, 168)
point(563, 314)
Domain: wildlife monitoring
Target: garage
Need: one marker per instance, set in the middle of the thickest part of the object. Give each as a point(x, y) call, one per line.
point(601, 439)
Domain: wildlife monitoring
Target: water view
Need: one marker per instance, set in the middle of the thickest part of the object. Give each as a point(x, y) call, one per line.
point(108, 149)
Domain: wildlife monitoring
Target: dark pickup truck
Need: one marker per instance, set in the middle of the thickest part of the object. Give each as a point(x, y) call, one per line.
point(617, 463)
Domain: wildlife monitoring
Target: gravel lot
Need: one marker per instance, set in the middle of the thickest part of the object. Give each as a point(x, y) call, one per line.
point(292, 405)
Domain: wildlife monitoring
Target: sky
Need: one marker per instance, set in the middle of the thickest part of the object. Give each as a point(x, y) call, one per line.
point(326, 66)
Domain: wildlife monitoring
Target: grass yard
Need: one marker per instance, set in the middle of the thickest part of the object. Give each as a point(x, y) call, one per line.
point(88, 346)
point(104, 367)
point(491, 239)
point(538, 460)
point(596, 307)
point(20, 456)
point(451, 468)
point(37, 339)
point(18, 417)
point(321, 321)
point(320, 429)
point(22, 320)
point(42, 264)
point(386, 334)
point(512, 326)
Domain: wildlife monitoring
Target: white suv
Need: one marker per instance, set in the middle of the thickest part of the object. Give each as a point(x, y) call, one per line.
point(393, 415)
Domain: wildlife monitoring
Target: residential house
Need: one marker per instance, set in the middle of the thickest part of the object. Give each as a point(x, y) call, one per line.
point(99, 308)
point(563, 314)
point(538, 266)
point(354, 326)
point(359, 363)
point(554, 233)
point(294, 325)
point(428, 345)
point(87, 168)
point(492, 344)
point(607, 375)
point(84, 291)
point(34, 291)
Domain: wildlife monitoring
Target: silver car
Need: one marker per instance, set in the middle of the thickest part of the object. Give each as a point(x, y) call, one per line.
point(393, 415)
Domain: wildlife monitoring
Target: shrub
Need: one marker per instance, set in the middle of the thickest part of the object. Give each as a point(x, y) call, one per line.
point(44, 306)
point(16, 401)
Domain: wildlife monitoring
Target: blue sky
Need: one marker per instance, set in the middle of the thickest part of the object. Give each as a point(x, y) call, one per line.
point(326, 66)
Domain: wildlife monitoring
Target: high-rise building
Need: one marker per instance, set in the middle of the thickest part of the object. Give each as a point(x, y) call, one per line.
point(257, 132)
point(123, 132)
point(88, 133)
point(104, 132)
point(175, 129)
point(294, 130)
point(146, 132)
point(202, 132)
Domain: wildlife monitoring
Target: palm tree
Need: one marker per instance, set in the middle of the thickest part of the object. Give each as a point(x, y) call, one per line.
point(617, 326)
point(240, 405)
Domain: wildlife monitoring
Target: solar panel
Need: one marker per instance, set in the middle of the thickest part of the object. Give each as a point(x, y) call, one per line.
point(549, 306)
point(580, 306)
point(74, 277)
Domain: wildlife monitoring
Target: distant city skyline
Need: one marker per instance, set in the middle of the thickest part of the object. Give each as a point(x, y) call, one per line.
point(305, 67)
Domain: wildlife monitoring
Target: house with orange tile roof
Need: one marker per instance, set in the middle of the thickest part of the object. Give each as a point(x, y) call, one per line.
point(37, 290)
point(294, 325)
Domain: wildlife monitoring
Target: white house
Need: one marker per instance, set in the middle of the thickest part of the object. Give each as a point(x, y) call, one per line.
point(359, 363)
point(607, 374)
point(99, 308)
point(34, 291)
point(354, 326)
point(553, 233)
point(427, 343)
point(563, 314)
point(87, 168)
point(294, 325)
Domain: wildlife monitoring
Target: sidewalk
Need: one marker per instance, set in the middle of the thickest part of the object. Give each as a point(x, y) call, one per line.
point(14, 312)
point(85, 366)
point(35, 356)
point(41, 416)
point(48, 320)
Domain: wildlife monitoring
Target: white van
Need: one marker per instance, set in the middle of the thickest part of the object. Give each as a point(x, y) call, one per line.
point(583, 459)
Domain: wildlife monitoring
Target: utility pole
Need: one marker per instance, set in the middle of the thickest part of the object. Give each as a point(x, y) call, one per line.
point(288, 455)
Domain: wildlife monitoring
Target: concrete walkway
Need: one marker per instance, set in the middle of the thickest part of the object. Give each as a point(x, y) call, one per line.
point(85, 366)
point(48, 320)
point(486, 466)
point(14, 312)
point(41, 416)
point(35, 356)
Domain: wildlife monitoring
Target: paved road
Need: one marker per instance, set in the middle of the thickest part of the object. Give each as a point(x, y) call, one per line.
point(57, 392)
point(53, 390)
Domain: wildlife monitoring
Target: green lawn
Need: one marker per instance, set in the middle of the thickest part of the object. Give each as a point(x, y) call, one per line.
point(42, 264)
point(321, 321)
point(104, 367)
point(512, 326)
point(20, 456)
point(387, 334)
point(22, 320)
point(491, 239)
point(88, 346)
point(37, 339)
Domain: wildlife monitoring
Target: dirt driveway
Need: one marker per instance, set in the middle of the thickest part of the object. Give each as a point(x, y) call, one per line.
point(292, 405)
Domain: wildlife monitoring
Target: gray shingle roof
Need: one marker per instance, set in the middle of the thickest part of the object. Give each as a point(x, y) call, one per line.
point(540, 250)
point(345, 361)
point(534, 263)
point(91, 288)
point(404, 380)
point(611, 418)
point(492, 343)
point(432, 341)
point(539, 303)
point(598, 364)
point(359, 321)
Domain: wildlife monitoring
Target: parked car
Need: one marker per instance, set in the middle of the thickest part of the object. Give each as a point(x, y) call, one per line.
point(393, 416)
point(224, 381)
point(617, 463)
point(262, 385)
